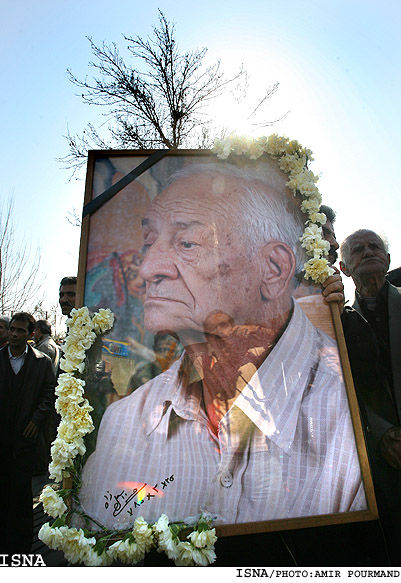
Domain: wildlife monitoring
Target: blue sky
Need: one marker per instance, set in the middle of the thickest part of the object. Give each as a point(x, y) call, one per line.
point(337, 63)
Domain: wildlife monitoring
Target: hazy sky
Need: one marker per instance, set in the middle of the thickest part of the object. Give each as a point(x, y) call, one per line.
point(337, 63)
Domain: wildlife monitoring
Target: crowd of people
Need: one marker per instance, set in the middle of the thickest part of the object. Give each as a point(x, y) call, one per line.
point(30, 364)
point(29, 367)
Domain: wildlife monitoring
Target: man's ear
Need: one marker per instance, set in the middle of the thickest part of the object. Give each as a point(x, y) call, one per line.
point(344, 269)
point(278, 269)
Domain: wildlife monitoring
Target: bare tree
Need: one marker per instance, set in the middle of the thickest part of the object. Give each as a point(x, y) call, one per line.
point(160, 105)
point(20, 282)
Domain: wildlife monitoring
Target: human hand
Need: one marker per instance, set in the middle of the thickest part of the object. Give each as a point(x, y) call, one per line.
point(31, 430)
point(390, 447)
point(333, 289)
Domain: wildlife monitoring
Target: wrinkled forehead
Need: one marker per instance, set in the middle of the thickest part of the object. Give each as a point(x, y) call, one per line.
point(203, 197)
point(366, 237)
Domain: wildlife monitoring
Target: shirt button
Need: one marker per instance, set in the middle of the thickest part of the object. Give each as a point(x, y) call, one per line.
point(226, 479)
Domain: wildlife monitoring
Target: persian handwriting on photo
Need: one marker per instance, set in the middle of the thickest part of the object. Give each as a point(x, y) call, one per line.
point(139, 491)
point(119, 507)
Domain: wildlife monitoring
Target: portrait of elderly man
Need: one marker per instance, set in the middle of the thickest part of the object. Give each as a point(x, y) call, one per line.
point(252, 422)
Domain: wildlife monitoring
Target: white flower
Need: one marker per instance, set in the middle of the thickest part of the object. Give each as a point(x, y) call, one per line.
point(53, 504)
point(76, 546)
point(222, 149)
point(204, 557)
point(310, 205)
point(69, 365)
point(185, 558)
point(255, 150)
point(79, 317)
point(63, 454)
point(92, 559)
point(76, 424)
point(103, 321)
point(276, 145)
point(69, 387)
point(52, 537)
point(312, 240)
point(318, 269)
point(169, 544)
point(205, 538)
point(162, 524)
point(143, 533)
point(315, 217)
point(127, 551)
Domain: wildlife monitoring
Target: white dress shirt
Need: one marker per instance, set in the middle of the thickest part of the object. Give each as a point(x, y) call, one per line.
point(17, 362)
point(285, 449)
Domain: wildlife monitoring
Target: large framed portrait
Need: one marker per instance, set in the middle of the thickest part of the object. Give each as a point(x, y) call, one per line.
point(224, 386)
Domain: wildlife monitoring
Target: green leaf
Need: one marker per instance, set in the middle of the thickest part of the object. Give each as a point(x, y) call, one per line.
point(59, 521)
point(175, 529)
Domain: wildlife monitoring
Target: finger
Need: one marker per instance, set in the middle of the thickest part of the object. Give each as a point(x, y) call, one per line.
point(335, 297)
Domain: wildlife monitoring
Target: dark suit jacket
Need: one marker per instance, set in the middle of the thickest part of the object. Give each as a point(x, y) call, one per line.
point(35, 393)
point(383, 409)
point(379, 409)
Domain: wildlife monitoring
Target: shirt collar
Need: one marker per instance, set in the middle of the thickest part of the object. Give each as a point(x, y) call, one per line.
point(272, 398)
point(383, 293)
point(182, 393)
point(22, 355)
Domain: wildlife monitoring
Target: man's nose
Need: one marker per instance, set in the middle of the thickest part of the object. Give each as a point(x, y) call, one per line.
point(367, 251)
point(332, 241)
point(158, 263)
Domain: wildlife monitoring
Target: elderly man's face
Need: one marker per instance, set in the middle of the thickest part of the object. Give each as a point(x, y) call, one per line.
point(196, 262)
point(367, 256)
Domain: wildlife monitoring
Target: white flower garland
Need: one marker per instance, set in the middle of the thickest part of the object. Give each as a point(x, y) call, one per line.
point(292, 159)
point(94, 549)
point(102, 548)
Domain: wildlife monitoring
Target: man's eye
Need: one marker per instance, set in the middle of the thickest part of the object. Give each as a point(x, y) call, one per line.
point(188, 245)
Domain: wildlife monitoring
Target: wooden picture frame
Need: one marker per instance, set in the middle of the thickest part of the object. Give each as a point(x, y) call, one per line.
point(120, 186)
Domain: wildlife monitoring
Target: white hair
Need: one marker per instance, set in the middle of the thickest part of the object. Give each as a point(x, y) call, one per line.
point(266, 212)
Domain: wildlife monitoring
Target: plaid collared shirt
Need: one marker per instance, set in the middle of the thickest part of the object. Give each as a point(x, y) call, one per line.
point(285, 449)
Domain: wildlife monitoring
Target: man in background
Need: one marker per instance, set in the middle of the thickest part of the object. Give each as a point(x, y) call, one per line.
point(372, 329)
point(67, 294)
point(328, 232)
point(4, 325)
point(26, 397)
point(45, 343)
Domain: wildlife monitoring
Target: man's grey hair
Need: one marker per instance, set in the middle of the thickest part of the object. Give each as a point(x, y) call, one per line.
point(265, 213)
point(6, 320)
point(345, 246)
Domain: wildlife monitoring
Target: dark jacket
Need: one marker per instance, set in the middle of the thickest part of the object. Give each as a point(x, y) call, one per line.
point(29, 396)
